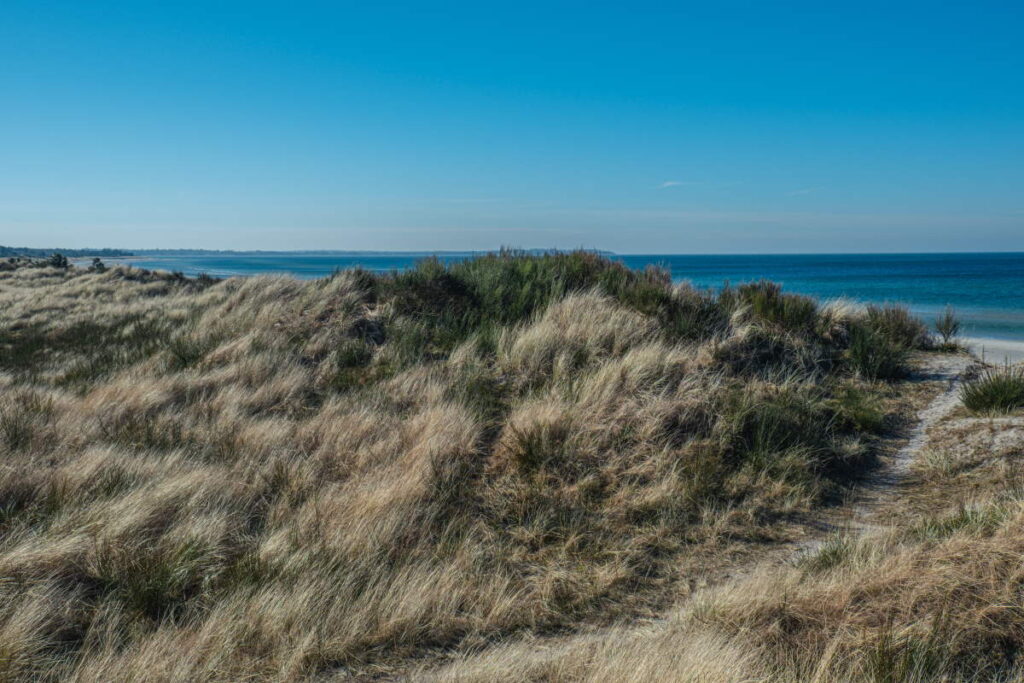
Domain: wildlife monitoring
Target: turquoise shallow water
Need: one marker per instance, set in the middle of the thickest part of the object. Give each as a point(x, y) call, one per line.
point(986, 289)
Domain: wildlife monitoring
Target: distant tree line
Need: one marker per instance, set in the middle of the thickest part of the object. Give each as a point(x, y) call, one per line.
point(54, 260)
point(28, 252)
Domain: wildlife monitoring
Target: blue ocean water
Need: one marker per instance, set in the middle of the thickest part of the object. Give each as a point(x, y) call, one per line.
point(987, 290)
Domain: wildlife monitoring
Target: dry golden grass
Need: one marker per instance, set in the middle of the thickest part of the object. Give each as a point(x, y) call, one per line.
point(937, 597)
point(274, 479)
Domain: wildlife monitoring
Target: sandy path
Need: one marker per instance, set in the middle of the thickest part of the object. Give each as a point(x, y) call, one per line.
point(865, 511)
point(949, 369)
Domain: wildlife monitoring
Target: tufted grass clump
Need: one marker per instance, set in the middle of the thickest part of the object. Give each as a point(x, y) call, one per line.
point(898, 326)
point(874, 355)
point(789, 311)
point(995, 391)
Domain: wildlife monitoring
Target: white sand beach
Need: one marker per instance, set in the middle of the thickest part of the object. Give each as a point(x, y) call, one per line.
point(995, 351)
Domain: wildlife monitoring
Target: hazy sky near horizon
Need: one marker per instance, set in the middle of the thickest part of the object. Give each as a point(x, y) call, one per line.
point(712, 127)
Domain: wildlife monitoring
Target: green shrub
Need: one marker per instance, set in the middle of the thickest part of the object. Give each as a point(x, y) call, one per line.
point(791, 312)
point(873, 355)
point(57, 260)
point(947, 325)
point(996, 391)
point(439, 306)
point(694, 314)
point(898, 326)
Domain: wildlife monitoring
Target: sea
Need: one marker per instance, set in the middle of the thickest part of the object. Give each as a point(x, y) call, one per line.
point(985, 289)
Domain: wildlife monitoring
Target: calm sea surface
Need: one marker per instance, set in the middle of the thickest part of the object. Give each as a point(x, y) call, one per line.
point(986, 289)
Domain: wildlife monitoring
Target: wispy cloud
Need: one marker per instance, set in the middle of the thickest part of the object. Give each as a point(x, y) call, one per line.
point(675, 183)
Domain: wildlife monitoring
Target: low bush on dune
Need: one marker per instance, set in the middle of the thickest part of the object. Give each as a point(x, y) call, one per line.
point(476, 297)
point(765, 299)
point(947, 324)
point(898, 326)
point(289, 478)
point(879, 343)
point(874, 355)
point(996, 391)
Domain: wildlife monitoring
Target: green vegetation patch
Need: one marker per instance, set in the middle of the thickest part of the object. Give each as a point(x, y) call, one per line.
point(996, 391)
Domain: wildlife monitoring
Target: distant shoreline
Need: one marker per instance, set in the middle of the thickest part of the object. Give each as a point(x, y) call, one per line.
point(142, 253)
point(995, 351)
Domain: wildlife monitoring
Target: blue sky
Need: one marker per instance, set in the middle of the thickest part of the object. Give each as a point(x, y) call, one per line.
point(635, 127)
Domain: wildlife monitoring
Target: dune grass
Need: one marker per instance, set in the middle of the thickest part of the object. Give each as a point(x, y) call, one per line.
point(934, 597)
point(997, 391)
point(291, 479)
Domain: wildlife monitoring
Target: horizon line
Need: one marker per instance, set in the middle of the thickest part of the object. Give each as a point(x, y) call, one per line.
point(517, 249)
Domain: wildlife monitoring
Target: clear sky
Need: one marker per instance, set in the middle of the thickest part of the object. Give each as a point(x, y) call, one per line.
point(709, 127)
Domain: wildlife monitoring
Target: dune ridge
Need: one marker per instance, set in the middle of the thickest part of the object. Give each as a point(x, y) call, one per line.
point(371, 475)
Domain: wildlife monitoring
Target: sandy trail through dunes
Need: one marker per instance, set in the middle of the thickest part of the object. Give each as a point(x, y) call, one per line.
point(864, 512)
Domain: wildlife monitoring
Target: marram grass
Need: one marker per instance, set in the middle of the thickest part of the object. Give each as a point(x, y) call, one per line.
point(289, 479)
point(996, 391)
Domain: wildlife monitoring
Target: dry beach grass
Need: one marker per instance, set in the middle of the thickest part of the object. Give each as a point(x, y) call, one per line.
point(427, 474)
